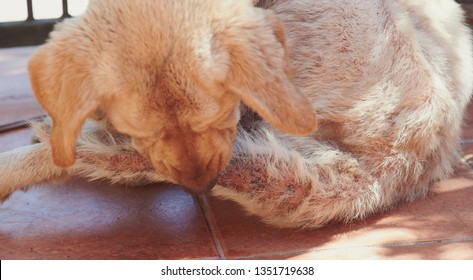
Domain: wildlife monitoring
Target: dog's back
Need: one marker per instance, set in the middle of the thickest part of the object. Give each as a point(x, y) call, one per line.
point(390, 81)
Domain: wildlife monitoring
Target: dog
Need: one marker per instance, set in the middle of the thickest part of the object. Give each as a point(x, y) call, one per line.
point(305, 112)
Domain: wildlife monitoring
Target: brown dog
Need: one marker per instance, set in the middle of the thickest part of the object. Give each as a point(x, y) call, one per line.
point(169, 78)
point(390, 81)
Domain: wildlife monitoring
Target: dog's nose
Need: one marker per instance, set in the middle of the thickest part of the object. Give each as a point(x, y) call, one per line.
point(212, 184)
point(198, 186)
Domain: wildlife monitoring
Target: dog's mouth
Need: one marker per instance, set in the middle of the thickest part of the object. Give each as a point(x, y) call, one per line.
point(201, 188)
point(195, 180)
point(198, 187)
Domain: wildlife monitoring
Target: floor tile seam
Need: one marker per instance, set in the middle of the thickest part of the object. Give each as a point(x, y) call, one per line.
point(26, 95)
point(426, 242)
point(206, 259)
point(206, 213)
point(381, 246)
point(466, 141)
point(404, 243)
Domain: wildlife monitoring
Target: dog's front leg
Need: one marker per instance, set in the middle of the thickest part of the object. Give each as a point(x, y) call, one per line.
point(101, 155)
point(113, 163)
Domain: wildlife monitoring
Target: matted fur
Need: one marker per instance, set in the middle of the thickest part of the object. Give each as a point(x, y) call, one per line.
point(389, 80)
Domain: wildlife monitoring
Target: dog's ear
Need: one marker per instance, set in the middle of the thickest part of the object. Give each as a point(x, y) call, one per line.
point(261, 76)
point(61, 85)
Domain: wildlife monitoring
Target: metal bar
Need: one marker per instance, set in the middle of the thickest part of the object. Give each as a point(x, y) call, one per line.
point(19, 124)
point(29, 6)
point(65, 9)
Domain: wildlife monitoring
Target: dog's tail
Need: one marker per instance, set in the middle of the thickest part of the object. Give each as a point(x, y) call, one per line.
point(311, 183)
point(25, 167)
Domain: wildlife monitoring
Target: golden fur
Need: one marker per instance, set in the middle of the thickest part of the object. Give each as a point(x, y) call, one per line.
point(389, 81)
point(173, 85)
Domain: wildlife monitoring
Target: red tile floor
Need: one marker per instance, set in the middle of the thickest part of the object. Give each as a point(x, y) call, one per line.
point(82, 220)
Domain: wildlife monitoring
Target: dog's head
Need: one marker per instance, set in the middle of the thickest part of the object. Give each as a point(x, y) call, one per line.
point(171, 75)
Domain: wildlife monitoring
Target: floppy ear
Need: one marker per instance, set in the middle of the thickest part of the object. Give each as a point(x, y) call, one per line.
point(61, 86)
point(261, 76)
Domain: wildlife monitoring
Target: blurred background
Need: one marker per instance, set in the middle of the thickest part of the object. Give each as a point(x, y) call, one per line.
point(28, 22)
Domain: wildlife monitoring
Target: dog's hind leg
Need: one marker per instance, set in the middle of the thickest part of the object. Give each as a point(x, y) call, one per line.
point(307, 187)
